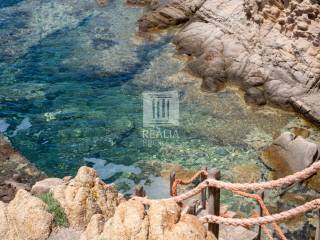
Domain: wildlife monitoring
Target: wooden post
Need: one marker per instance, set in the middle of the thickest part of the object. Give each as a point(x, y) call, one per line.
point(261, 215)
point(139, 191)
point(192, 209)
point(204, 191)
point(214, 202)
point(172, 179)
point(318, 226)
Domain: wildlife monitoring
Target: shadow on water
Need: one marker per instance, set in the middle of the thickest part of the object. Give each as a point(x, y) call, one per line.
point(9, 3)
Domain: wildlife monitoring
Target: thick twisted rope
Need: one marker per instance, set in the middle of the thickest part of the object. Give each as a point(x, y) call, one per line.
point(281, 182)
point(266, 232)
point(248, 195)
point(264, 228)
point(186, 182)
point(265, 212)
point(315, 204)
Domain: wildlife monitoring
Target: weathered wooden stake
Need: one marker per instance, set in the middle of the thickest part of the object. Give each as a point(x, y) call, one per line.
point(192, 209)
point(318, 226)
point(214, 202)
point(139, 191)
point(261, 215)
point(172, 179)
point(204, 191)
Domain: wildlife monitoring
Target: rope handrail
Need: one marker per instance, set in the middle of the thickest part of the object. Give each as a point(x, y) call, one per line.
point(314, 204)
point(281, 182)
point(186, 182)
point(265, 212)
point(241, 189)
point(264, 228)
point(256, 197)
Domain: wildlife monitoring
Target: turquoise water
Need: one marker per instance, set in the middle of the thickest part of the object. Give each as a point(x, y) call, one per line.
point(72, 76)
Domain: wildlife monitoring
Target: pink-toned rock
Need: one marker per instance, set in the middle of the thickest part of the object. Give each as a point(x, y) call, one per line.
point(84, 196)
point(28, 218)
point(128, 223)
point(94, 228)
point(165, 15)
point(163, 221)
point(44, 186)
point(4, 225)
point(241, 41)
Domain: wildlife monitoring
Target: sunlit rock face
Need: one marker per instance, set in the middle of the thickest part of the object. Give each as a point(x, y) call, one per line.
point(162, 221)
point(25, 218)
point(44, 186)
point(165, 15)
point(269, 48)
point(297, 18)
point(85, 196)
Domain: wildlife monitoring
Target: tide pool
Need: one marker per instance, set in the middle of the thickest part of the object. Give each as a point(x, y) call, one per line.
point(72, 75)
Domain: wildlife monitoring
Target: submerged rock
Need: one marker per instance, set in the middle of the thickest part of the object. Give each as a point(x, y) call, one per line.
point(290, 153)
point(102, 2)
point(255, 95)
point(246, 173)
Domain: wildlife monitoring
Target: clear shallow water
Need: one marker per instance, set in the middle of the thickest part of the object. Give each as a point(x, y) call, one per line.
point(71, 78)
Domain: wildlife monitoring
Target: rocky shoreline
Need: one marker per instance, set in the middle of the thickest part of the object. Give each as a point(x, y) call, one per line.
point(16, 171)
point(268, 48)
point(95, 210)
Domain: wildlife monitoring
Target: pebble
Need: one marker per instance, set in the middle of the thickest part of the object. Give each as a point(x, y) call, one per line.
point(303, 26)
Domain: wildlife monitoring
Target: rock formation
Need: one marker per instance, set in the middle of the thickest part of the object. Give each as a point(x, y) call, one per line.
point(44, 186)
point(168, 14)
point(85, 196)
point(99, 212)
point(25, 218)
point(16, 171)
point(163, 221)
point(269, 48)
point(102, 2)
point(290, 153)
point(94, 228)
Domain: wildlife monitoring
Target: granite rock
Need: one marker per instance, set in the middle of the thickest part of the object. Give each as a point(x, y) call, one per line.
point(270, 44)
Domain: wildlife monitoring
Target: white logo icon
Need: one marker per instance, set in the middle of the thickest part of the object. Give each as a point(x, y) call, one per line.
point(160, 109)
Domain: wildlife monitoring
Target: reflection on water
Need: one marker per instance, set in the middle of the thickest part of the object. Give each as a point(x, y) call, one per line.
point(72, 75)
